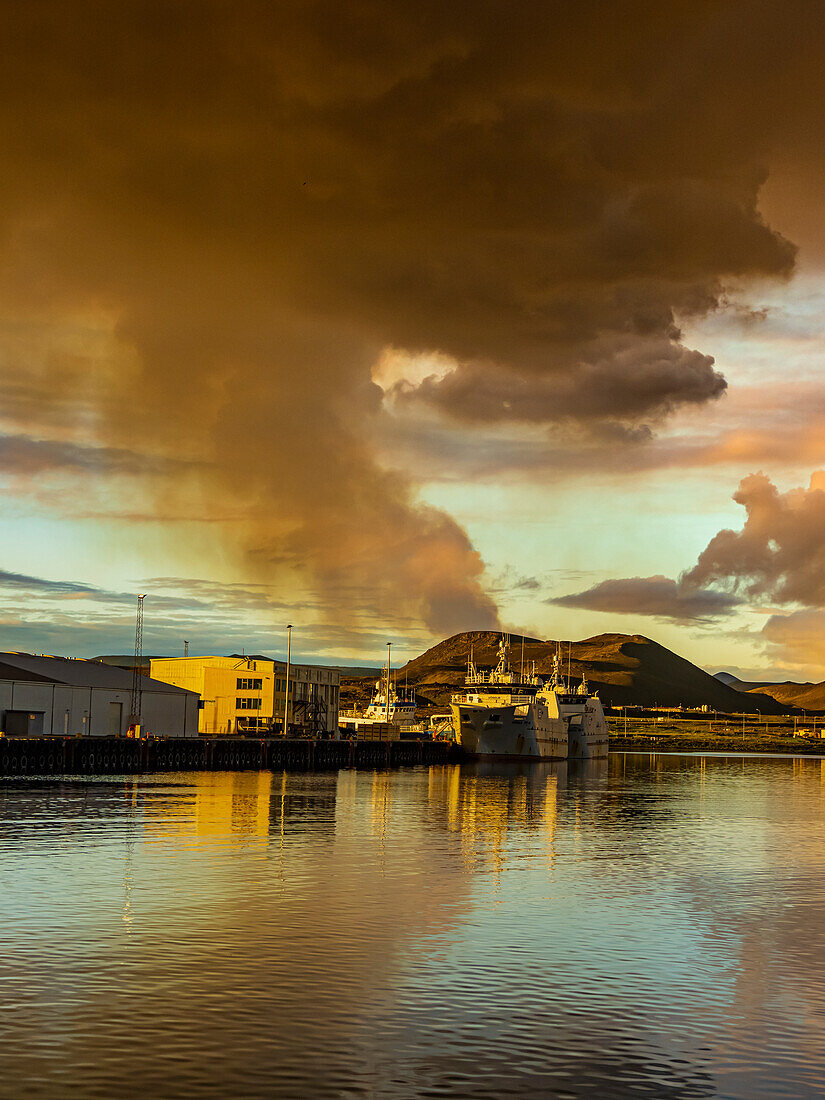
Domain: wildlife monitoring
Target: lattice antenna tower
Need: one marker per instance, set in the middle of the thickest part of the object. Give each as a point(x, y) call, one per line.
point(137, 678)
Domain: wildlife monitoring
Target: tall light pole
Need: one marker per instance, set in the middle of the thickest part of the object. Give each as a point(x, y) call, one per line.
point(286, 694)
point(387, 696)
point(136, 702)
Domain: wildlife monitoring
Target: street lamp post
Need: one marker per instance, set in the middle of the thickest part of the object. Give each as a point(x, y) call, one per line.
point(286, 692)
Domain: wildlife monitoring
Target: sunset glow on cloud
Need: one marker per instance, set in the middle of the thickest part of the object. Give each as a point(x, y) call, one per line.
point(393, 321)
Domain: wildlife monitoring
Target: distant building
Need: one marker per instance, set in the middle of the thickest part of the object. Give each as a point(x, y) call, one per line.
point(125, 661)
point(242, 694)
point(64, 696)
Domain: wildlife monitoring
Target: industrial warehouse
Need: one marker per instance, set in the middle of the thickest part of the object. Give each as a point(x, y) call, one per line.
point(182, 697)
point(247, 694)
point(68, 697)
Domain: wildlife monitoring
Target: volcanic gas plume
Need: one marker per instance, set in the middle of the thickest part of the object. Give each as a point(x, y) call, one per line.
point(215, 217)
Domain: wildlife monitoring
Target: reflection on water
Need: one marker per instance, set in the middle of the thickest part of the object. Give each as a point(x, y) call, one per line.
point(648, 926)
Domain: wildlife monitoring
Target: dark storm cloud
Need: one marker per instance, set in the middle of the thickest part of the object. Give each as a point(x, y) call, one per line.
point(659, 596)
point(258, 197)
point(632, 378)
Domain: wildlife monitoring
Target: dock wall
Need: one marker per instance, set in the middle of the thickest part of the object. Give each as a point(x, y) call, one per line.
point(118, 756)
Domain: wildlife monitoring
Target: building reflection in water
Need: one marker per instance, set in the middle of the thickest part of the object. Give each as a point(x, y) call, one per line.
point(482, 804)
point(206, 805)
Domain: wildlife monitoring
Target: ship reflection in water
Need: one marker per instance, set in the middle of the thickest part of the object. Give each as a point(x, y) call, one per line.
point(646, 926)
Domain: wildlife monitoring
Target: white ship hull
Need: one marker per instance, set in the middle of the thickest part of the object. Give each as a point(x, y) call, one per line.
point(504, 732)
point(498, 717)
point(590, 740)
point(545, 728)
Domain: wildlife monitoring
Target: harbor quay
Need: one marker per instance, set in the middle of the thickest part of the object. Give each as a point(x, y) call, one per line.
point(120, 755)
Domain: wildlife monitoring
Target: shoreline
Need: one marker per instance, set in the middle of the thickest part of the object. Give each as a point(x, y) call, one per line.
point(725, 745)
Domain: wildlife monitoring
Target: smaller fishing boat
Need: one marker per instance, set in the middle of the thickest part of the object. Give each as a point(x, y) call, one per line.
point(391, 711)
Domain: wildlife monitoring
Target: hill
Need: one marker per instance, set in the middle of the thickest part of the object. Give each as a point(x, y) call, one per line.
point(729, 679)
point(626, 669)
point(788, 693)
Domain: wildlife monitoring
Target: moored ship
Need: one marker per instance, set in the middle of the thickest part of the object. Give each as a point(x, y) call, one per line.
point(498, 715)
point(391, 711)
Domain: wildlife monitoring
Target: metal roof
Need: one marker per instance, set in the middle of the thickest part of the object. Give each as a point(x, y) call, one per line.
point(124, 660)
point(9, 673)
point(76, 672)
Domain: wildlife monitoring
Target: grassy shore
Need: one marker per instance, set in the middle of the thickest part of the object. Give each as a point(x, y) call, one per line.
point(726, 734)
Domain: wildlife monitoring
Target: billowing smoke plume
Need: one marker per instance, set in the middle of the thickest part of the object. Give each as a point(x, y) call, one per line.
point(214, 217)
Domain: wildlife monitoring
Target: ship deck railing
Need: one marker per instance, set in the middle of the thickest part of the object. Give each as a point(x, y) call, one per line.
point(515, 700)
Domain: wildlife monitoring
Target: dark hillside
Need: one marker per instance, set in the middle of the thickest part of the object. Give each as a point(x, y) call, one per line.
point(626, 669)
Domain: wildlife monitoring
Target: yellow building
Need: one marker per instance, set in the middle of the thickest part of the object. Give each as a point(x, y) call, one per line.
point(242, 694)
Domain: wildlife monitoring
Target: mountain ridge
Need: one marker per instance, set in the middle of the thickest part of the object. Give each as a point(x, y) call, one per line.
point(626, 670)
point(804, 695)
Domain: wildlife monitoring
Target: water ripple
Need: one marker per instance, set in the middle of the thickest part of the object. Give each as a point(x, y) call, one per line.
point(648, 927)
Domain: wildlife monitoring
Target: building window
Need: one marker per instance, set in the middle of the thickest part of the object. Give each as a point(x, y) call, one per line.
point(249, 685)
point(247, 704)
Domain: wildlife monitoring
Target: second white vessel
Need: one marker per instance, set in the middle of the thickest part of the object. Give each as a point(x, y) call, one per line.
point(534, 719)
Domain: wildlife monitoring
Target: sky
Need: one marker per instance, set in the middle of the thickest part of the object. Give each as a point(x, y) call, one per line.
point(390, 321)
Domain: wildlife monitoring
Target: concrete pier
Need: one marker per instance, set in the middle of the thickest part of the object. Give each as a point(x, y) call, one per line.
point(118, 755)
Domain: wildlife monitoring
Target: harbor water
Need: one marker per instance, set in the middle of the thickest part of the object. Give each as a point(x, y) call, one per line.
point(647, 925)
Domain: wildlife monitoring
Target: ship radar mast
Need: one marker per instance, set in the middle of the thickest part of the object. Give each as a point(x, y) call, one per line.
point(503, 648)
point(557, 677)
